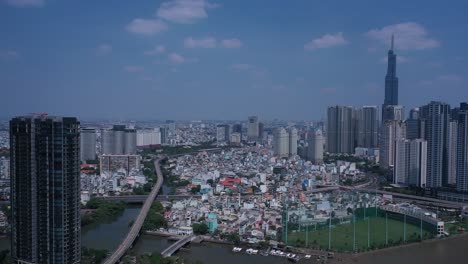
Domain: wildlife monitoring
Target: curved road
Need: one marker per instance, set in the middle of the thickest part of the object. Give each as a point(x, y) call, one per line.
point(135, 229)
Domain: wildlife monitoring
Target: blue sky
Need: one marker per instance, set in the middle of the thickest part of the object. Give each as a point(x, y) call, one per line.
point(194, 59)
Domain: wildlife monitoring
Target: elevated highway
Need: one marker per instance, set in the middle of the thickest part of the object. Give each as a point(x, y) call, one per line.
point(136, 227)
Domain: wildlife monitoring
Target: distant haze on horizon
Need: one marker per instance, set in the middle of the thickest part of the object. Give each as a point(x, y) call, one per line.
point(225, 60)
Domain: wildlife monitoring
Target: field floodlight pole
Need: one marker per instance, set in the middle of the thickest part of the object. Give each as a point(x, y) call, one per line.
point(404, 229)
point(421, 229)
point(329, 233)
point(368, 232)
point(386, 228)
point(354, 231)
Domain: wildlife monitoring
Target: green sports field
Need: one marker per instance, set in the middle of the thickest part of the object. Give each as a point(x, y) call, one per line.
point(342, 235)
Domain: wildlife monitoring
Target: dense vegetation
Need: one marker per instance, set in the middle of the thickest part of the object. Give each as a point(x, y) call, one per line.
point(91, 255)
point(154, 220)
point(232, 237)
point(103, 210)
point(145, 189)
point(156, 258)
point(5, 257)
point(149, 171)
point(177, 150)
point(200, 229)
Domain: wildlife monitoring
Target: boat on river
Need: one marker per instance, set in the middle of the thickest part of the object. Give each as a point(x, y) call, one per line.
point(236, 249)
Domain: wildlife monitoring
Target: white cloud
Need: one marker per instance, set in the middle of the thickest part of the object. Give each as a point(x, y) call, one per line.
point(133, 68)
point(450, 77)
point(176, 58)
point(184, 11)
point(25, 3)
point(8, 54)
point(159, 49)
point(408, 36)
point(400, 59)
point(207, 42)
point(231, 43)
point(242, 66)
point(326, 41)
point(146, 26)
point(104, 49)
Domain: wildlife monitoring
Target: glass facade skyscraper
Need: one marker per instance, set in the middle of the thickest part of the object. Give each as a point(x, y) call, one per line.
point(45, 189)
point(391, 83)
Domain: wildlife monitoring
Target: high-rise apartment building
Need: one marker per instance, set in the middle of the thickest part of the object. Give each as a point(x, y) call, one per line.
point(293, 138)
point(410, 162)
point(462, 148)
point(87, 144)
point(222, 133)
point(341, 128)
point(437, 120)
point(315, 146)
point(281, 142)
point(118, 141)
point(391, 132)
point(452, 152)
point(391, 83)
point(394, 112)
point(367, 126)
point(413, 125)
point(45, 189)
point(171, 125)
point(261, 130)
point(164, 135)
point(237, 128)
point(252, 128)
point(418, 163)
point(148, 137)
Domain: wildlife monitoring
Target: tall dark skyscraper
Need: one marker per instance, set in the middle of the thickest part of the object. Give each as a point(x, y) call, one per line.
point(341, 126)
point(462, 148)
point(45, 189)
point(391, 83)
point(436, 116)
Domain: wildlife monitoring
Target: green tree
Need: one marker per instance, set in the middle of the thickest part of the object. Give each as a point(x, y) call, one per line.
point(155, 220)
point(196, 189)
point(200, 229)
point(233, 238)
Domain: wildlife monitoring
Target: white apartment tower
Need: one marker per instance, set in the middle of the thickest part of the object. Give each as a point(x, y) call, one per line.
point(316, 142)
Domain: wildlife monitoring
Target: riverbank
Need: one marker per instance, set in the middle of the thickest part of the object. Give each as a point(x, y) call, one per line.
point(409, 245)
point(339, 257)
point(99, 211)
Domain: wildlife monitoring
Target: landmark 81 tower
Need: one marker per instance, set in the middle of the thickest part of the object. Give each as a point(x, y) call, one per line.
point(391, 83)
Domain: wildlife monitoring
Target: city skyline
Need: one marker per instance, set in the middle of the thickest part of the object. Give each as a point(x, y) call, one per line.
point(135, 61)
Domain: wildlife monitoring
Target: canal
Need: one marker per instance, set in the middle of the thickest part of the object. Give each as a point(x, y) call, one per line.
point(107, 235)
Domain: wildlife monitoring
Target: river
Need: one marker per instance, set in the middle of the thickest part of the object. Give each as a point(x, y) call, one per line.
point(108, 235)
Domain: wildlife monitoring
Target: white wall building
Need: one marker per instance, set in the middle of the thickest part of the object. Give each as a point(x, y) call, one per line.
point(148, 137)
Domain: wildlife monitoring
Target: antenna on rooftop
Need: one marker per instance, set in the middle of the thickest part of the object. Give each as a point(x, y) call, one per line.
point(391, 47)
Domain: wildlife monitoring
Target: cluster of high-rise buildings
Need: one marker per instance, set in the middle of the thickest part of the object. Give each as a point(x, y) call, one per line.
point(428, 149)
point(285, 142)
point(349, 127)
point(234, 134)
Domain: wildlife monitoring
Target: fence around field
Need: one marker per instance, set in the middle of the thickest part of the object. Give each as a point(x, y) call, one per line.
point(369, 228)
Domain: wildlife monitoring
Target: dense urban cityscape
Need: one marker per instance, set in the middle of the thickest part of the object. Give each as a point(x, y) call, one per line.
point(373, 183)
